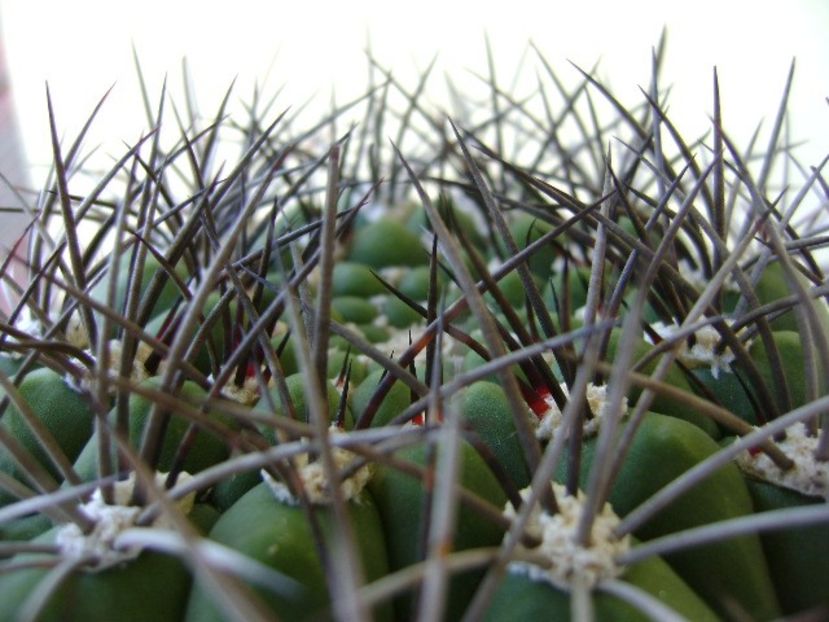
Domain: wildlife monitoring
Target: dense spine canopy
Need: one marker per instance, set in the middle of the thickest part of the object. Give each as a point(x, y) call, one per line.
point(322, 364)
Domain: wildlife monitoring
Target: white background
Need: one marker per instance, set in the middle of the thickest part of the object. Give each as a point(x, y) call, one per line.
point(82, 47)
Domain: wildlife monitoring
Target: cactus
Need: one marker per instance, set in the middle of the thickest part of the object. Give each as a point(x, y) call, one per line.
point(432, 379)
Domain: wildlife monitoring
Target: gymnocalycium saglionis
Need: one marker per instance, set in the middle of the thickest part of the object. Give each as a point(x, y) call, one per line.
point(539, 356)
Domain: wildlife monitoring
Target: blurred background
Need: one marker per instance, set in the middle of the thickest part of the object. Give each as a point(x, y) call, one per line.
point(316, 49)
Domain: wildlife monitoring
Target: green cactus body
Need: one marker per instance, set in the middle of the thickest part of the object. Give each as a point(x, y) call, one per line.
point(526, 229)
point(663, 404)
point(354, 309)
point(772, 287)
point(798, 557)
point(151, 586)
point(484, 405)
point(455, 218)
point(520, 598)
point(663, 448)
point(279, 536)
point(25, 528)
point(398, 313)
point(576, 287)
point(355, 279)
point(395, 402)
point(61, 409)
point(738, 396)
point(386, 242)
point(401, 500)
point(415, 282)
point(299, 400)
point(9, 365)
point(207, 449)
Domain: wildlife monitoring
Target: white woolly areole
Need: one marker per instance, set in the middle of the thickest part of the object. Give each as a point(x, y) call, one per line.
point(315, 482)
point(28, 323)
point(704, 350)
point(596, 400)
point(393, 274)
point(280, 329)
point(25, 323)
point(381, 320)
point(452, 350)
point(808, 476)
point(109, 522)
point(138, 372)
point(569, 561)
point(247, 394)
point(76, 332)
